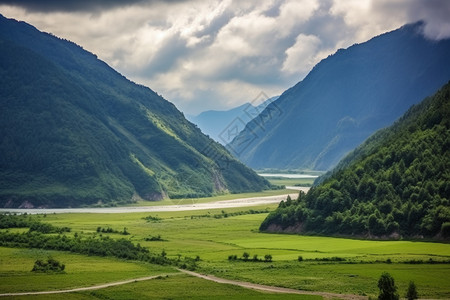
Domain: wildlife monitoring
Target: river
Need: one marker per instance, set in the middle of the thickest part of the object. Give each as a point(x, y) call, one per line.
point(243, 202)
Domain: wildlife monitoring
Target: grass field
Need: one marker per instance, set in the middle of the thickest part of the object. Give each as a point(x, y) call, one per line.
point(81, 270)
point(291, 181)
point(212, 199)
point(192, 233)
point(174, 287)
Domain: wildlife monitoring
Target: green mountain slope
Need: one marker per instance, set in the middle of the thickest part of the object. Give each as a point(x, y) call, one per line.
point(345, 99)
point(396, 182)
point(75, 132)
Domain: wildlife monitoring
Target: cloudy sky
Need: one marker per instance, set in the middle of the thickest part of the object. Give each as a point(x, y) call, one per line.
point(204, 55)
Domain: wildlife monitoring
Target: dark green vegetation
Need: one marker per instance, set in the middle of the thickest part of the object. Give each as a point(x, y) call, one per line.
point(49, 266)
point(246, 258)
point(34, 225)
point(388, 289)
point(92, 245)
point(75, 132)
point(397, 182)
point(411, 293)
point(345, 99)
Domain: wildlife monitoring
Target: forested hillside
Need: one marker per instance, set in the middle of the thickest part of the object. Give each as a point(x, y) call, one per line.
point(397, 182)
point(75, 132)
point(344, 99)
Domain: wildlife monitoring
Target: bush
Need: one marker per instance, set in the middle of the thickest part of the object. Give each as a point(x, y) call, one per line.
point(445, 229)
point(154, 238)
point(245, 255)
point(412, 291)
point(232, 257)
point(49, 266)
point(268, 258)
point(388, 290)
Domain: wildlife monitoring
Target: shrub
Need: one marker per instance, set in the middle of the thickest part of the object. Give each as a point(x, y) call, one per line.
point(154, 238)
point(49, 266)
point(245, 255)
point(388, 290)
point(412, 291)
point(268, 258)
point(445, 229)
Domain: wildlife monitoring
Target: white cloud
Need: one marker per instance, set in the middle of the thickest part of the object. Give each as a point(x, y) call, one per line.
point(216, 54)
point(294, 13)
point(301, 57)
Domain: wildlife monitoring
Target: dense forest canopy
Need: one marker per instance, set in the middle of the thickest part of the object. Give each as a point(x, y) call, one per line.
point(395, 183)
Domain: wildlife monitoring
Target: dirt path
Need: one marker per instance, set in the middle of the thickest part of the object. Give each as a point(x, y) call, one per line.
point(259, 287)
point(81, 289)
point(274, 289)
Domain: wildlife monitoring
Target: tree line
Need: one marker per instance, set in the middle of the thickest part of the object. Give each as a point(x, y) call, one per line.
point(91, 245)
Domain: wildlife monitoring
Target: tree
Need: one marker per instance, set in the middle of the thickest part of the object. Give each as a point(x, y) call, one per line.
point(245, 256)
point(412, 291)
point(268, 258)
point(288, 201)
point(388, 290)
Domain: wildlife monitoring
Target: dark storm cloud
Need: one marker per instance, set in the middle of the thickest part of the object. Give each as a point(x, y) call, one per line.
point(167, 56)
point(436, 14)
point(218, 54)
point(216, 24)
point(75, 5)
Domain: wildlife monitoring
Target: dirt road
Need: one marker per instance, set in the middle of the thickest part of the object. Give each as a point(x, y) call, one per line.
point(274, 289)
point(249, 285)
point(89, 288)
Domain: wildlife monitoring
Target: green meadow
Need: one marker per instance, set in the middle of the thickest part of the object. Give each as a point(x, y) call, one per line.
point(223, 197)
point(291, 181)
point(339, 265)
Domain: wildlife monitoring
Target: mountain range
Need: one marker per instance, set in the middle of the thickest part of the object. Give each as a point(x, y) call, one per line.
point(343, 100)
point(215, 122)
point(75, 132)
point(219, 124)
point(397, 183)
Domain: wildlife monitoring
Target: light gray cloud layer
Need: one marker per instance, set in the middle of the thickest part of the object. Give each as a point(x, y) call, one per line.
point(218, 54)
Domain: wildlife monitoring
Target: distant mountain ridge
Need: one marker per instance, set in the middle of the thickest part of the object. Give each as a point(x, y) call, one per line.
point(343, 100)
point(397, 183)
point(74, 132)
point(216, 123)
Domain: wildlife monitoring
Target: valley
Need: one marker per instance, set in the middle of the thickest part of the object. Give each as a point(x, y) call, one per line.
point(334, 265)
point(336, 189)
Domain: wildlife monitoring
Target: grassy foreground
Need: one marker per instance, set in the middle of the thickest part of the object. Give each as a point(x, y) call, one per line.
point(214, 235)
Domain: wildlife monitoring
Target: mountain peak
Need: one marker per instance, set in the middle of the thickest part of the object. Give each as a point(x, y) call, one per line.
point(371, 83)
